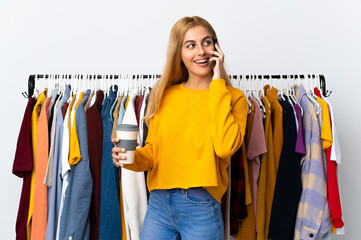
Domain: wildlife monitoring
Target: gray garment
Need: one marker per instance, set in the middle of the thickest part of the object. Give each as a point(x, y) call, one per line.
point(74, 219)
point(49, 169)
point(54, 92)
point(54, 192)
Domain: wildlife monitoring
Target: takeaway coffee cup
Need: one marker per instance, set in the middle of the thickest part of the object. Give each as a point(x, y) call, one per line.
point(127, 134)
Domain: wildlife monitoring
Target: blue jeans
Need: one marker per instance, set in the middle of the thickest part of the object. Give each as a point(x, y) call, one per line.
point(183, 214)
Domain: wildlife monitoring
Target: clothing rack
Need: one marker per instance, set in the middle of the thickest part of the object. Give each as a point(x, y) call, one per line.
point(32, 77)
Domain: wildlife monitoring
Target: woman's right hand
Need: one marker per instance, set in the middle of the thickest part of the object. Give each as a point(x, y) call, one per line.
point(115, 155)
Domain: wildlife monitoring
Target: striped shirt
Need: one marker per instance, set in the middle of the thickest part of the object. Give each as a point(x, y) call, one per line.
point(313, 216)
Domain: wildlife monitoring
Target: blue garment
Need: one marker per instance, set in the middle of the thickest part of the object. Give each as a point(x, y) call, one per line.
point(183, 214)
point(111, 113)
point(54, 192)
point(109, 221)
point(74, 220)
point(122, 110)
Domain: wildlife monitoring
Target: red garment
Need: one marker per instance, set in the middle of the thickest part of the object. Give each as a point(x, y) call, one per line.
point(332, 190)
point(238, 202)
point(332, 185)
point(95, 148)
point(138, 105)
point(66, 105)
point(23, 167)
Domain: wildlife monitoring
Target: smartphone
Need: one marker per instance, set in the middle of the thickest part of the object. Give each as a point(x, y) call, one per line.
point(215, 49)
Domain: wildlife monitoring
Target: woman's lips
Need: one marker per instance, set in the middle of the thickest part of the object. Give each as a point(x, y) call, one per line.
point(202, 63)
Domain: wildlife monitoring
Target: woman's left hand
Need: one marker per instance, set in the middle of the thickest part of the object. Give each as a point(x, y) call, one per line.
point(218, 59)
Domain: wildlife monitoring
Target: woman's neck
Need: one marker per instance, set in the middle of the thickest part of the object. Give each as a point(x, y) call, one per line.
point(198, 82)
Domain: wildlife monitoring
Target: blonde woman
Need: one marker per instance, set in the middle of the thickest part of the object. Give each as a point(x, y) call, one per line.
point(196, 122)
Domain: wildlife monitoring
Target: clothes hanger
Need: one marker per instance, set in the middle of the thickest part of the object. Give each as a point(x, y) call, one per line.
point(313, 85)
point(289, 90)
point(310, 97)
point(256, 96)
point(280, 91)
point(318, 84)
point(249, 104)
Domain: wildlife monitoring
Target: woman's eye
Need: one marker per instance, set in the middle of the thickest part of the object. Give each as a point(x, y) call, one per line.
point(190, 46)
point(207, 43)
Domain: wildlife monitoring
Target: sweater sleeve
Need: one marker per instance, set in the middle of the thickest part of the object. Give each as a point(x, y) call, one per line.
point(143, 160)
point(228, 118)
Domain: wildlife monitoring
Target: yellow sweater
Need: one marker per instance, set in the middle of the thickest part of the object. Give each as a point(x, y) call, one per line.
point(192, 137)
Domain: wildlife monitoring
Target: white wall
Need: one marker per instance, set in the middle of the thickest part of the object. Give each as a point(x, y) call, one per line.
point(131, 37)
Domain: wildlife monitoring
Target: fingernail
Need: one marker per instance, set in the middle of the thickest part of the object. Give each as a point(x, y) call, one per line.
point(123, 150)
point(123, 158)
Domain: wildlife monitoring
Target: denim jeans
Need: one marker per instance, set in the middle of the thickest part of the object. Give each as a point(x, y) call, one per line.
point(183, 214)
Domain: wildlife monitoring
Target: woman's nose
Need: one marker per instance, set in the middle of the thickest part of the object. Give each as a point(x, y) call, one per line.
point(201, 50)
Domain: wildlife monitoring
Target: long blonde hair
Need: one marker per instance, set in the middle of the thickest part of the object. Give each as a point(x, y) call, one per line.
point(175, 71)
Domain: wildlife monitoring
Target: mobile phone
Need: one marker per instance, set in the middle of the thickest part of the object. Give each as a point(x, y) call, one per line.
point(215, 49)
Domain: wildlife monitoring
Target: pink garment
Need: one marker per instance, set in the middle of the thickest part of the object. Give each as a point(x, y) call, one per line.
point(256, 147)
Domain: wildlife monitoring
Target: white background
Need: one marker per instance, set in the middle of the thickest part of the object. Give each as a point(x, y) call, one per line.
point(258, 37)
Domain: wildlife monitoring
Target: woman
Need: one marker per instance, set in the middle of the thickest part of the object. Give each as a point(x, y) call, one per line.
point(196, 122)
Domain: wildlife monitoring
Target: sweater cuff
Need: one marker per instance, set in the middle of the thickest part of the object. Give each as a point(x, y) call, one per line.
point(338, 223)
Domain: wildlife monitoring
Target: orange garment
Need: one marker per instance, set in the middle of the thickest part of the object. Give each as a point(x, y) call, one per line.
point(69, 109)
point(122, 219)
point(267, 179)
point(126, 103)
point(116, 116)
point(74, 148)
point(247, 227)
point(40, 206)
point(34, 123)
point(277, 122)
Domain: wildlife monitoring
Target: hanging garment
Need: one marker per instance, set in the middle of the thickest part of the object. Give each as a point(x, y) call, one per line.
point(64, 163)
point(142, 114)
point(335, 155)
point(288, 184)
point(326, 137)
point(237, 199)
point(49, 168)
point(277, 125)
point(22, 167)
point(54, 100)
point(87, 104)
point(54, 191)
point(247, 227)
point(314, 221)
point(116, 116)
point(74, 146)
point(120, 120)
point(133, 185)
point(226, 201)
point(122, 109)
point(75, 222)
point(138, 106)
point(267, 178)
point(109, 220)
point(34, 123)
point(300, 146)
point(40, 206)
point(71, 150)
point(65, 109)
point(332, 184)
point(256, 147)
point(95, 147)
